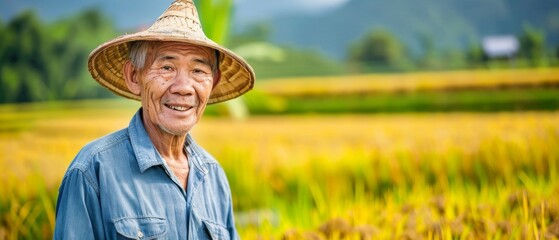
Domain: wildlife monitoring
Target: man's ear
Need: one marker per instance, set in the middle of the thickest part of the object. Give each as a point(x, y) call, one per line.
point(131, 78)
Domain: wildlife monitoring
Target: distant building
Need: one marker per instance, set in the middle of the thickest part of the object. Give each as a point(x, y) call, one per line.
point(500, 47)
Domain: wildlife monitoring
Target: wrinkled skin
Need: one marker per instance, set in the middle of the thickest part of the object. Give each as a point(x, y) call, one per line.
point(174, 86)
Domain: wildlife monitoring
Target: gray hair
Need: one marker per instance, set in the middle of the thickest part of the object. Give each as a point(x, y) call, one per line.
point(138, 50)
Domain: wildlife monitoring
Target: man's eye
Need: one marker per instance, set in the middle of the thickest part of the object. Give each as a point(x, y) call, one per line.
point(200, 71)
point(168, 68)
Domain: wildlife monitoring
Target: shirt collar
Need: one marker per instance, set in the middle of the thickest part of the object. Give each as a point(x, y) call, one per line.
point(196, 154)
point(147, 154)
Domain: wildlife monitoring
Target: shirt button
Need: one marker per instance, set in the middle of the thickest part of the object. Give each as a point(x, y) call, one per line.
point(140, 234)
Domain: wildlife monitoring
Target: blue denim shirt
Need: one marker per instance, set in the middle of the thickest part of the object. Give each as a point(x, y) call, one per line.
point(119, 187)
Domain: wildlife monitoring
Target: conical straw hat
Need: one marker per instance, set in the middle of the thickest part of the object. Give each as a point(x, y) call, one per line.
point(180, 23)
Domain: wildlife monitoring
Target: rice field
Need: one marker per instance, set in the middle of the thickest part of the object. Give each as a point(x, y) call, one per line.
point(454, 91)
point(412, 82)
point(393, 176)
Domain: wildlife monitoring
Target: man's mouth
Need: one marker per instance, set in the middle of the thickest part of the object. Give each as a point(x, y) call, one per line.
point(178, 107)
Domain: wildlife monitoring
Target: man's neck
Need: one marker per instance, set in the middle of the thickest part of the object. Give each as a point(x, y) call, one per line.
point(169, 146)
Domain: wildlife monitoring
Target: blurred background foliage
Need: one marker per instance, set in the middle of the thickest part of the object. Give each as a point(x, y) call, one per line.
point(46, 61)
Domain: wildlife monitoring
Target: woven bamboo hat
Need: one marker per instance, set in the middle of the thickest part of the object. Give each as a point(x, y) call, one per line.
point(179, 23)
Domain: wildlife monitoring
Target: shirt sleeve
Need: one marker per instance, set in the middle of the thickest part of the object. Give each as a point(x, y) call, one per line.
point(78, 210)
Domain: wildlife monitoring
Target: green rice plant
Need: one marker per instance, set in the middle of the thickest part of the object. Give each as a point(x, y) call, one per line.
point(27, 210)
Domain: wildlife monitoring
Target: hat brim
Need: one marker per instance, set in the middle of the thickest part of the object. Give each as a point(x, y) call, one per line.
point(106, 66)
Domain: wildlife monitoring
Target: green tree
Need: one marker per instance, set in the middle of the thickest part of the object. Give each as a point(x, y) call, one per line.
point(474, 54)
point(23, 57)
point(378, 48)
point(532, 45)
point(73, 39)
point(49, 62)
point(429, 58)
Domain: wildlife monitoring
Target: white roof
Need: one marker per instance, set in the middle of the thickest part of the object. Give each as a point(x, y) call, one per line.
point(500, 46)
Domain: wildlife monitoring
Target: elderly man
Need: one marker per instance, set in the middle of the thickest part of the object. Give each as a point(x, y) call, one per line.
point(151, 180)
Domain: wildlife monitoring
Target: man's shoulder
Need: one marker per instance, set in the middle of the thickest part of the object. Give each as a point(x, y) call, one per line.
point(111, 142)
point(108, 141)
point(208, 162)
point(203, 156)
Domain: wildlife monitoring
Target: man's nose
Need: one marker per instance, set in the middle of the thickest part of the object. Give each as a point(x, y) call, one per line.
point(183, 84)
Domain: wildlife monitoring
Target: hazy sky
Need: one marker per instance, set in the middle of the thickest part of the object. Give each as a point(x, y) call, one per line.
point(267, 7)
point(133, 13)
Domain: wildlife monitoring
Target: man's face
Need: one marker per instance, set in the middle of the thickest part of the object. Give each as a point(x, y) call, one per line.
point(176, 83)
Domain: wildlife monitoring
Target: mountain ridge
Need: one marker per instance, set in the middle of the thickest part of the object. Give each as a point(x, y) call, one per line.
point(451, 24)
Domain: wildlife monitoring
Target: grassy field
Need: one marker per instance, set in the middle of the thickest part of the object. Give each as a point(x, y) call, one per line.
point(406, 175)
point(474, 91)
point(412, 82)
point(465, 176)
point(414, 176)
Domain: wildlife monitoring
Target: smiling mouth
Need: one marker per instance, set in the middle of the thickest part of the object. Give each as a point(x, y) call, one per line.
point(178, 108)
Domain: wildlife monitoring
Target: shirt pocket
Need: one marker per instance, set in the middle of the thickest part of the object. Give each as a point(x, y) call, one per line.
point(141, 228)
point(216, 231)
